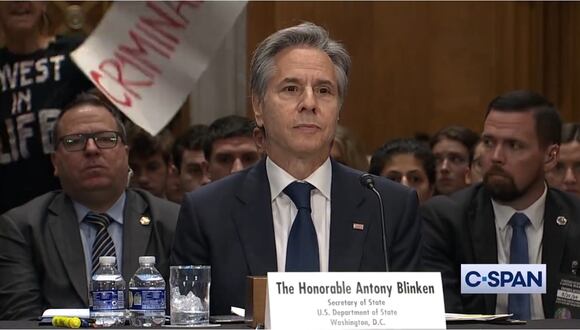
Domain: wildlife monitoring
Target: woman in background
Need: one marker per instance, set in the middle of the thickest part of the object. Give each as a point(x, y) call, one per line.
point(408, 162)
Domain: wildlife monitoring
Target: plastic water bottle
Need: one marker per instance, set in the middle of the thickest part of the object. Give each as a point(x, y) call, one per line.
point(107, 295)
point(147, 295)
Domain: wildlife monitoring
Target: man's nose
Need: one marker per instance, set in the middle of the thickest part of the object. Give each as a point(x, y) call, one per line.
point(91, 146)
point(237, 165)
point(444, 167)
point(497, 155)
point(309, 101)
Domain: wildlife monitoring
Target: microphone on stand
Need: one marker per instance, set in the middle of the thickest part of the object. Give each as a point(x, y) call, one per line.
point(368, 181)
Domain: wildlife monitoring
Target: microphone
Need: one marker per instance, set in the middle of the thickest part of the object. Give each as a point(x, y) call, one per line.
point(368, 181)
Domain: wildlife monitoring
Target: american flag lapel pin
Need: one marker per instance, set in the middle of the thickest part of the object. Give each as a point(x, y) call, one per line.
point(358, 226)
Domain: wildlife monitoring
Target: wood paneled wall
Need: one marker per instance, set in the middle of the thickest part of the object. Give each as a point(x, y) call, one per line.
point(420, 66)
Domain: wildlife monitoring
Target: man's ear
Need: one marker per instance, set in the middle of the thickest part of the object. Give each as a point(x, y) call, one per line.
point(257, 107)
point(53, 160)
point(205, 169)
point(467, 177)
point(551, 157)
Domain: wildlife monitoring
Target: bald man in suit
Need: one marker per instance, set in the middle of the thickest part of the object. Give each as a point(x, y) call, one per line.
point(46, 245)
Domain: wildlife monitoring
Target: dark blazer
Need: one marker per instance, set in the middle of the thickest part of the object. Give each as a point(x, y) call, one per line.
point(42, 264)
point(228, 225)
point(461, 230)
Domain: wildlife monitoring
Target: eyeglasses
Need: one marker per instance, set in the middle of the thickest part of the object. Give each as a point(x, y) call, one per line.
point(78, 142)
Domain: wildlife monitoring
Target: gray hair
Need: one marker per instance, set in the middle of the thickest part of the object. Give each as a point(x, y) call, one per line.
point(306, 34)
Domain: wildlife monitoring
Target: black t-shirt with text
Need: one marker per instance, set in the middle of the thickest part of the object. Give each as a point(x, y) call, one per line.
point(33, 89)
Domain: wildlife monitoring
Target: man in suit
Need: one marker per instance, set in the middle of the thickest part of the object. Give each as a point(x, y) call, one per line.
point(297, 210)
point(489, 222)
point(46, 245)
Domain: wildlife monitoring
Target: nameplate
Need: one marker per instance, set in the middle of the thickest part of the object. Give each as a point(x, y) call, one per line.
point(503, 278)
point(355, 300)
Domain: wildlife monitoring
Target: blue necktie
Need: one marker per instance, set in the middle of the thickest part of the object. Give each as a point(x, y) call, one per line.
point(103, 244)
point(302, 248)
point(519, 304)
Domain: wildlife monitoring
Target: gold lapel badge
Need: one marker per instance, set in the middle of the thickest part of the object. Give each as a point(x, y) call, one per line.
point(561, 221)
point(145, 221)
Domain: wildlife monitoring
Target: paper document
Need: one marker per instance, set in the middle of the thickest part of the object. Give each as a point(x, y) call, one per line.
point(453, 317)
point(82, 313)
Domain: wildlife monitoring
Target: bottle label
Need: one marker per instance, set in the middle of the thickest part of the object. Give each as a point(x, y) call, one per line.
point(146, 299)
point(108, 300)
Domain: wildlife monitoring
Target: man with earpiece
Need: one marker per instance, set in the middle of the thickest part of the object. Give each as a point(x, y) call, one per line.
point(513, 217)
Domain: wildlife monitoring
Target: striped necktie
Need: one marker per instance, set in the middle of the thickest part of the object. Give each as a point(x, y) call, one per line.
point(103, 244)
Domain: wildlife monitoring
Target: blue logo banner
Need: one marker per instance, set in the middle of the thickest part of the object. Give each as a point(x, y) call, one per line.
point(503, 278)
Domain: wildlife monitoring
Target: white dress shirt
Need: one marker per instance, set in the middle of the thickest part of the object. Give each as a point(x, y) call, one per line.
point(534, 233)
point(284, 211)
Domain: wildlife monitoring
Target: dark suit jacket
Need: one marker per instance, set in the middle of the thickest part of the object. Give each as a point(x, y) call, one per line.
point(42, 264)
point(228, 225)
point(461, 230)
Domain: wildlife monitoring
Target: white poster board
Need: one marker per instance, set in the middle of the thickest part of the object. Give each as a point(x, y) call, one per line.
point(145, 56)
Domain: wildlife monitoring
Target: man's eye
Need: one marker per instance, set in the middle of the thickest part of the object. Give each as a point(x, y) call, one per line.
point(224, 159)
point(194, 169)
point(153, 166)
point(72, 140)
point(290, 88)
point(515, 145)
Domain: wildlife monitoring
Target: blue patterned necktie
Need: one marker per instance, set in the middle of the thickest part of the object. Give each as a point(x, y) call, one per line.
point(103, 244)
point(302, 248)
point(519, 304)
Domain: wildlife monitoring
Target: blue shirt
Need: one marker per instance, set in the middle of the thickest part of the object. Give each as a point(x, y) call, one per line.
point(88, 231)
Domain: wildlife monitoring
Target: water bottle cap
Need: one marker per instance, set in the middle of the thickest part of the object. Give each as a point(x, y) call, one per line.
point(107, 260)
point(147, 260)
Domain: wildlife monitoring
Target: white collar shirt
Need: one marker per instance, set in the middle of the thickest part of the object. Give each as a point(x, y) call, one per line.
point(284, 211)
point(534, 233)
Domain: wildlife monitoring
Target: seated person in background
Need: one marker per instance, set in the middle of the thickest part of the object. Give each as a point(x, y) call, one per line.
point(513, 217)
point(475, 174)
point(230, 146)
point(406, 161)
point(347, 150)
point(150, 160)
point(453, 150)
point(248, 223)
point(49, 246)
point(566, 175)
point(173, 190)
point(189, 159)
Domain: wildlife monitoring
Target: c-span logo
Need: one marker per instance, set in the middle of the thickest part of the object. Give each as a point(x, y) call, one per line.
point(503, 278)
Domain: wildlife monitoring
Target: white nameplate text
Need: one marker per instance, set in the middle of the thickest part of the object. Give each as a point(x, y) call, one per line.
point(355, 301)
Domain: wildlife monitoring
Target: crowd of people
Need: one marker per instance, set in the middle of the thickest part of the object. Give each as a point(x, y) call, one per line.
point(278, 193)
